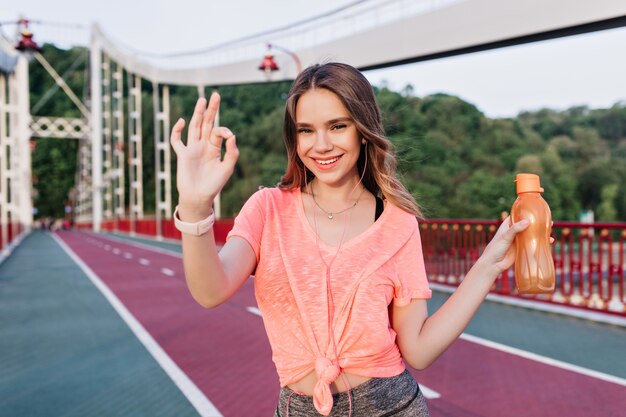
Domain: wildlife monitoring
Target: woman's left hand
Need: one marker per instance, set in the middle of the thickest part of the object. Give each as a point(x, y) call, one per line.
point(500, 252)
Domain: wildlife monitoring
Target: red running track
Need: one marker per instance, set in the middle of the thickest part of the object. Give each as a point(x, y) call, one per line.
point(225, 351)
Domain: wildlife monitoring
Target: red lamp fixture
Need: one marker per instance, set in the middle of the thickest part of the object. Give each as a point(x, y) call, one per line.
point(26, 43)
point(268, 65)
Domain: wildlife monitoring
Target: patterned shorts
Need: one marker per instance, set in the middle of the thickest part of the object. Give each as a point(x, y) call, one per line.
point(398, 396)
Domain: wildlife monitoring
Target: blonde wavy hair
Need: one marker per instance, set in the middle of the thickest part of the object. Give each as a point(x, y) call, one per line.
point(357, 95)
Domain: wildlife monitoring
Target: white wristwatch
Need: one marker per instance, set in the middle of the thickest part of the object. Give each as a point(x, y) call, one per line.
point(197, 228)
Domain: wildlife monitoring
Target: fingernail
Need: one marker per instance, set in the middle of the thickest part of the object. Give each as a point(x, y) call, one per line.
point(524, 222)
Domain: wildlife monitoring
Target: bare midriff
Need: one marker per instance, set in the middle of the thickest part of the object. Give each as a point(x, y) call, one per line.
point(307, 384)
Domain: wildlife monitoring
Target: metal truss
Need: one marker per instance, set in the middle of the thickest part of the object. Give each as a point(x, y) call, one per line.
point(135, 163)
point(117, 139)
point(161, 100)
point(107, 143)
point(60, 127)
point(82, 197)
point(7, 142)
point(15, 173)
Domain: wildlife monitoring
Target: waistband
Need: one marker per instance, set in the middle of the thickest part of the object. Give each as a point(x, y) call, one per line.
point(377, 396)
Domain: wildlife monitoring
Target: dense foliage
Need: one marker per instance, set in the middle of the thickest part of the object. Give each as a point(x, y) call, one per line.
point(458, 162)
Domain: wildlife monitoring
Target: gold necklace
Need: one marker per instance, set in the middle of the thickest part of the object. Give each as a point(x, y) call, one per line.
point(331, 214)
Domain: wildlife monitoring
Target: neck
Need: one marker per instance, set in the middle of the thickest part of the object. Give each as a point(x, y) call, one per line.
point(345, 193)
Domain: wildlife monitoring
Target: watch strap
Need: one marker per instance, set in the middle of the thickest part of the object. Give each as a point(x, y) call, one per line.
point(195, 229)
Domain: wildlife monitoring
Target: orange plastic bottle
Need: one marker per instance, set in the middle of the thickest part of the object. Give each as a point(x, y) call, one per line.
point(534, 267)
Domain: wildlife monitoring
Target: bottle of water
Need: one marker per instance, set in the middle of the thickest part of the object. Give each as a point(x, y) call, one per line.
point(534, 267)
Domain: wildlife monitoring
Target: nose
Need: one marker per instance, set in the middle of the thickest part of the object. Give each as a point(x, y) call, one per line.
point(322, 143)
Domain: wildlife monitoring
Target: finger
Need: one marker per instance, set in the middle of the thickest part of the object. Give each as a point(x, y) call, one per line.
point(551, 240)
point(209, 116)
point(520, 226)
point(196, 120)
point(232, 152)
point(218, 135)
point(504, 226)
point(515, 229)
point(175, 137)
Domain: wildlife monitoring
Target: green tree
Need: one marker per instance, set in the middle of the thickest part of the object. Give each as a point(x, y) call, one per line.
point(606, 209)
point(53, 175)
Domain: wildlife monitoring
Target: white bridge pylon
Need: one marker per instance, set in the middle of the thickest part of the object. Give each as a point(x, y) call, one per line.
point(15, 174)
point(365, 34)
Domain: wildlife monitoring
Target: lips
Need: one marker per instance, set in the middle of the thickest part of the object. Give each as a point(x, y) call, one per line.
point(327, 163)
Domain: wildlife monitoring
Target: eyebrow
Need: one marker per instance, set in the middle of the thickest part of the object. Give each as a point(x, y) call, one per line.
point(330, 122)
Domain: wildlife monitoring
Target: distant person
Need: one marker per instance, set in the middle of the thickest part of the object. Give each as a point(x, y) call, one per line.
point(335, 250)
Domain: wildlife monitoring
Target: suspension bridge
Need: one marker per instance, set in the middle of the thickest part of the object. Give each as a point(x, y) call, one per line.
point(97, 320)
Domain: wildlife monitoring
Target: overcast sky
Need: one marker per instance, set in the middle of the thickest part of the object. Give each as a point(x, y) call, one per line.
point(582, 70)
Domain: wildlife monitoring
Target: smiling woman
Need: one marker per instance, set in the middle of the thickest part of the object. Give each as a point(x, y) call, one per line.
point(335, 250)
point(342, 101)
point(328, 141)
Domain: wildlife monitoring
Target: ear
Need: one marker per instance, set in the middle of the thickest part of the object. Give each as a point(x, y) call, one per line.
point(363, 141)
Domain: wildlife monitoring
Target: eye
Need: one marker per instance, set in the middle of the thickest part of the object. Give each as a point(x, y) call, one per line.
point(338, 127)
point(304, 130)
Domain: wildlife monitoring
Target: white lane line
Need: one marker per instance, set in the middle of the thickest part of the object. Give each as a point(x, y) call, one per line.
point(142, 245)
point(128, 255)
point(167, 271)
point(431, 394)
point(144, 261)
point(254, 310)
point(543, 359)
point(116, 251)
point(196, 397)
point(428, 392)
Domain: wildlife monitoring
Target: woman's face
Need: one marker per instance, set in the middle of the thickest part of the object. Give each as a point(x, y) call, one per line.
point(327, 137)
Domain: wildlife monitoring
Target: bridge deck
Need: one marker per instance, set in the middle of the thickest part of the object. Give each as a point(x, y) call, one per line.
point(113, 331)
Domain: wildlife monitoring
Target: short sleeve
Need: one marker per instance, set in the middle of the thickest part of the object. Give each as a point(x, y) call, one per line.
point(411, 280)
point(250, 221)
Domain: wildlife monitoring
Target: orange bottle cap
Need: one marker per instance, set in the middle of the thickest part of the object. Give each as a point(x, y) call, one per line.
point(528, 183)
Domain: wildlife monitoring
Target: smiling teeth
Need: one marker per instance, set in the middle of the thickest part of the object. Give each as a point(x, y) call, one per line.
point(328, 162)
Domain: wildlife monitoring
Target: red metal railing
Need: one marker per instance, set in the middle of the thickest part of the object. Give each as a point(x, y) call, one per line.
point(148, 228)
point(589, 258)
point(14, 230)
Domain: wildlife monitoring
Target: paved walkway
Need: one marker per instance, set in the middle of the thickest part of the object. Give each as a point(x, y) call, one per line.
point(68, 349)
point(64, 351)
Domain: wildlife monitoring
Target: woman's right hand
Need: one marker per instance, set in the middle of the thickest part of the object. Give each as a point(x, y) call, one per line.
point(201, 173)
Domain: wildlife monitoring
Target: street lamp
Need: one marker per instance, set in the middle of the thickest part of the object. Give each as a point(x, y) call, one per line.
point(269, 65)
point(26, 43)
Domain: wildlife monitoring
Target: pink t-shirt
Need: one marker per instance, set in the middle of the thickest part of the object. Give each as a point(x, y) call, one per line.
point(381, 265)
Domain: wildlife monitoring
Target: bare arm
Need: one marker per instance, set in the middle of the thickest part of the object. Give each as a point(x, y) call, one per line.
point(212, 278)
point(423, 339)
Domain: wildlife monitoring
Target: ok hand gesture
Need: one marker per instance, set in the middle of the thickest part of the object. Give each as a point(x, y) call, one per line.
point(201, 172)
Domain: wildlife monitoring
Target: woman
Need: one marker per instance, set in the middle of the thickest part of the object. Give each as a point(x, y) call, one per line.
point(335, 250)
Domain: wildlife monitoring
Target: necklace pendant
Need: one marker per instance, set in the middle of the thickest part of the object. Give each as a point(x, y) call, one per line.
point(330, 216)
